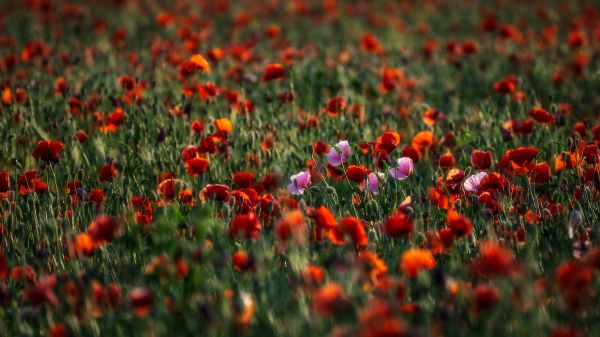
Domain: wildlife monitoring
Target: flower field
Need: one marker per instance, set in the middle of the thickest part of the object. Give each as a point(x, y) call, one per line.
point(299, 168)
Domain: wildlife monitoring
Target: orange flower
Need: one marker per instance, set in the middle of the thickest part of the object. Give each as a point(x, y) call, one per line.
point(223, 126)
point(200, 62)
point(84, 244)
point(422, 140)
point(329, 299)
point(414, 260)
point(432, 116)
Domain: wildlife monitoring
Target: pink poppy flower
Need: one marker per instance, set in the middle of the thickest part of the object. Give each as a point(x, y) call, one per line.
point(373, 179)
point(472, 183)
point(299, 182)
point(403, 169)
point(338, 153)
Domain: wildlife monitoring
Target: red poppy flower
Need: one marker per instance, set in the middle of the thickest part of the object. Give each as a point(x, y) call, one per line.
point(197, 126)
point(447, 161)
point(387, 143)
point(291, 226)
point(369, 43)
point(244, 179)
point(243, 261)
point(30, 182)
point(81, 136)
point(42, 292)
point(459, 224)
point(356, 173)
point(273, 72)
point(4, 185)
point(107, 172)
point(142, 300)
point(103, 229)
point(245, 225)
point(398, 224)
point(355, 229)
point(422, 140)
point(522, 157)
point(335, 106)
point(196, 166)
point(48, 150)
point(481, 160)
point(412, 153)
point(494, 261)
point(329, 299)
point(215, 192)
point(540, 173)
point(486, 296)
point(542, 116)
point(507, 85)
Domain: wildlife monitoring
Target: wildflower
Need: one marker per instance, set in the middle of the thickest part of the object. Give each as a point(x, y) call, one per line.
point(414, 260)
point(459, 224)
point(215, 192)
point(355, 229)
point(494, 261)
point(356, 173)
point(196, 166)
point(102, 230)
point(335, 106)
point(542, 116)
point(299, 183)
point(142, 300)
point(245, 225)
point(398, 224)
point(473, 182)
point(338, 154)
point(373, 179)
point(481, 160)
point(48, 150)
point(291, 226)
point(329, 299)
point(273, 72)
point(403, 169)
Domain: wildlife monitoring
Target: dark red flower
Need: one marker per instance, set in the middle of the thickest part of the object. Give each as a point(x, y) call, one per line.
point(102, 230)
point(273, 72)
point(48, 150)
point(481, 160)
